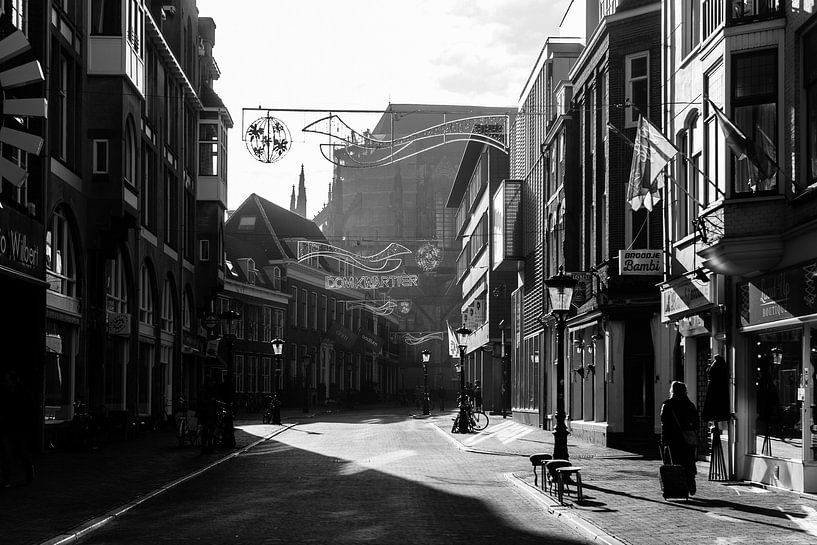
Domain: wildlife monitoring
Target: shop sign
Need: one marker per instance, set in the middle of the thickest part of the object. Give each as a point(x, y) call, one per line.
point(212, 348)
point(21, 242)
point(473, 316)
point(692, 325)
point(372, 341)
point(119, 324)
point(640, 262)
point(684, 295)
point(346, 337)
point(778, 296)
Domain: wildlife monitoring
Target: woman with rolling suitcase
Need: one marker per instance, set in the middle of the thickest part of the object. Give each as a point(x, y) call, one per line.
point(679, 435)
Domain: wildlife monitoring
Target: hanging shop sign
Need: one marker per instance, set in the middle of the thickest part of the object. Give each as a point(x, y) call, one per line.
point(778, 296)
point(371, 340)
point(342, 335)
point(21, 241)
point(640, 262)
point(118, 324)
point(684, 296)
point(473, 316)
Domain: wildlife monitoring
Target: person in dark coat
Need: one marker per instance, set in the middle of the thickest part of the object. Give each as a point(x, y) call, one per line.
point(716, 402)
point(18, 413)
point(679, 414)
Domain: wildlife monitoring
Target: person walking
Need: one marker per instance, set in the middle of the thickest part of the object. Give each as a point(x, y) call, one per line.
point(679, 430)
point(206, 413)
point(18, 413)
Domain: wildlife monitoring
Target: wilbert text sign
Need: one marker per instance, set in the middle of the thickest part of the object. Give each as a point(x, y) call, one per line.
point(640, 262)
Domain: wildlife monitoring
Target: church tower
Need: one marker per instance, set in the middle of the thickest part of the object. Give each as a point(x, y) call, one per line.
point(300, 209)
point(292, 200)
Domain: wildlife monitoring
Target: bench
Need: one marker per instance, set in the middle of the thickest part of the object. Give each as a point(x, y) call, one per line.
point(563, 478)
point(538, 460)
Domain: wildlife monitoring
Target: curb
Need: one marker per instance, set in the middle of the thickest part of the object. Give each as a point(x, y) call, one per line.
point(564, 513)
point(78, 533)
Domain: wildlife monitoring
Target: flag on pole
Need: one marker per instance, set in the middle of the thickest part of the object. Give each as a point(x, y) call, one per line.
point(651, 153)
point(735, 138)
point(453, 346)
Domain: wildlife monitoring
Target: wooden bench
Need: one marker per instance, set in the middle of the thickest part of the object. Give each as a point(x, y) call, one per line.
point(562, 479)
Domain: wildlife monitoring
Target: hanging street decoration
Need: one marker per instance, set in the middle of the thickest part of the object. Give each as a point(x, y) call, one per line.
point(419, 337)
point(267, 139)
point(428, 257)
point(15, 109)
point(349, 148)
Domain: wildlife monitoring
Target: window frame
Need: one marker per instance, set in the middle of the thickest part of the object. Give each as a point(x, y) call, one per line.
point(631, 113)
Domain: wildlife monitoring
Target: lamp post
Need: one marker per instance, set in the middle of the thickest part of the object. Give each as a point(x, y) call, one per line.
point(560, 291)
point(462, 340)
point(426, 355)
point(278, 349)
point(228, 433)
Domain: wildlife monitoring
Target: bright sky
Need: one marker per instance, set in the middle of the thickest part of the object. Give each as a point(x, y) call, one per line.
point(362, 54)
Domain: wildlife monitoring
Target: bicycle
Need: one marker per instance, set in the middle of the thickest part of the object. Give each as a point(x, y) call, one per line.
point(187, 429)
point(477, 419)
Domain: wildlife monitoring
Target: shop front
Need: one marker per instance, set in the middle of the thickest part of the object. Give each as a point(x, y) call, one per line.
point(776, 351)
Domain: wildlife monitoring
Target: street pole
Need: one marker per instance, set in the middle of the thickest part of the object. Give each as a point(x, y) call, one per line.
point(426, 357)
point(228, 431)
point(464, 416)
point(560, 433)
point(278, 348)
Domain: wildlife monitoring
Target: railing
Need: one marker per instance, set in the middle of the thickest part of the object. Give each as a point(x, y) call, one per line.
point(749, 11)
point(714, 13)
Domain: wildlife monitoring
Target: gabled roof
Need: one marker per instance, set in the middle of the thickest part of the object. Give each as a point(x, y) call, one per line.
point(265, 231)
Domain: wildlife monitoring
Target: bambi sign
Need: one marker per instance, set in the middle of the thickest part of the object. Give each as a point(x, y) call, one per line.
point(640, 262)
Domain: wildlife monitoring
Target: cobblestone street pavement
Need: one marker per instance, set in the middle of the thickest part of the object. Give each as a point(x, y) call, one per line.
point(622, 496)
point(84, 494)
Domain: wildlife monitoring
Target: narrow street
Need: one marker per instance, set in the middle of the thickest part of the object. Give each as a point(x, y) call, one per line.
point(359, 477)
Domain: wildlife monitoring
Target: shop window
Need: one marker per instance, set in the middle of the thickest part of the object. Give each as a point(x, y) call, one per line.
point(116, 283)
point(145, 296)
point(810, 84)
point(60, 260)
point(778, 377)
point(168, 317)
point(266, 374)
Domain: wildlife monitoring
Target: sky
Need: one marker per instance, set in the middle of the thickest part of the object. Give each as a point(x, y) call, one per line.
point(329, 55)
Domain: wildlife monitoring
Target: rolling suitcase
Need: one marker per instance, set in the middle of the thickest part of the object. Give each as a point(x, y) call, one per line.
point(673, 477)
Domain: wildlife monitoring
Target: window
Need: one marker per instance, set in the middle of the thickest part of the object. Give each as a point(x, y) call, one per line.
point(208, 149)
point(171, 208)
point(246, 223)
point(131, 154)
point(303, 318)
point(106, 18)
point(19, 15)
point(60, 261)
point(323, 313)
point(754, 101)
point(250, 384)
point(204, 250)
point(637, 91)
point(266, 324)
point(278, 317)
point(313, 310)
point(293, 307)
point(276, 278)
point(116, 283)
point(135, 25)
point(100, 159)
point(691, 25)
point(810, 84)
point(63, 97)
point(148, 191)
point(266, 372)
point(187, 310)
point(238, 373)
point(145, 296)
point(167, 307)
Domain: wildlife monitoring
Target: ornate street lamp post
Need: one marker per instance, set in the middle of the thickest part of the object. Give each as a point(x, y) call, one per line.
point(462, 340)
point(228, 433)
point(426, 355)
point(278, 349)
point(560, 291)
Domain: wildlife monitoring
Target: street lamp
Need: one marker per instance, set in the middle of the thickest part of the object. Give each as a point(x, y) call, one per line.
point(462, 340)
point(560, 291)
point(228, 433)
point(426, 355)
point(278, 349)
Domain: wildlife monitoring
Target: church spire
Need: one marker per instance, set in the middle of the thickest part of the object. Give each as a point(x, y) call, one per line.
point(292, 200)
point(301, 208)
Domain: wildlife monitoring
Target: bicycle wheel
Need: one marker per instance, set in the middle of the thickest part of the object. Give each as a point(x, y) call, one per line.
point(480, 420)
point(456, 425)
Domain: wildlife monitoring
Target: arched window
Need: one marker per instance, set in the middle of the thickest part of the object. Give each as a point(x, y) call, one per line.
point(116, 283)
point(145, 296)
point(60, 260)
point(276, 278)
point(187, 309)
point(168, 317)
point(129, 164)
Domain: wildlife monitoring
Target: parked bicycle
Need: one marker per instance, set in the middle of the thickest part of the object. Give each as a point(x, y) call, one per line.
point(477, 419)
point(187, 426)
point(272, 403)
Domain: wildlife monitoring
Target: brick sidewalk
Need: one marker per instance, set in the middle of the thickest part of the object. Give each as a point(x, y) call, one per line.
point(623, 503)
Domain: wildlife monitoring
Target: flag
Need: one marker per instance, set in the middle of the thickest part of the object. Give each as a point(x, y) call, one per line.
point(453, 346)
point(651, 153)
point(735, 138)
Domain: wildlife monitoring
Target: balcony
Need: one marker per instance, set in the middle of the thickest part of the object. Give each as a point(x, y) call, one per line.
point(741, 12)
point(743, 237)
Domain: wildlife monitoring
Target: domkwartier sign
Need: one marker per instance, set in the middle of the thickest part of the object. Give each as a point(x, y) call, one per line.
point(380, 264)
